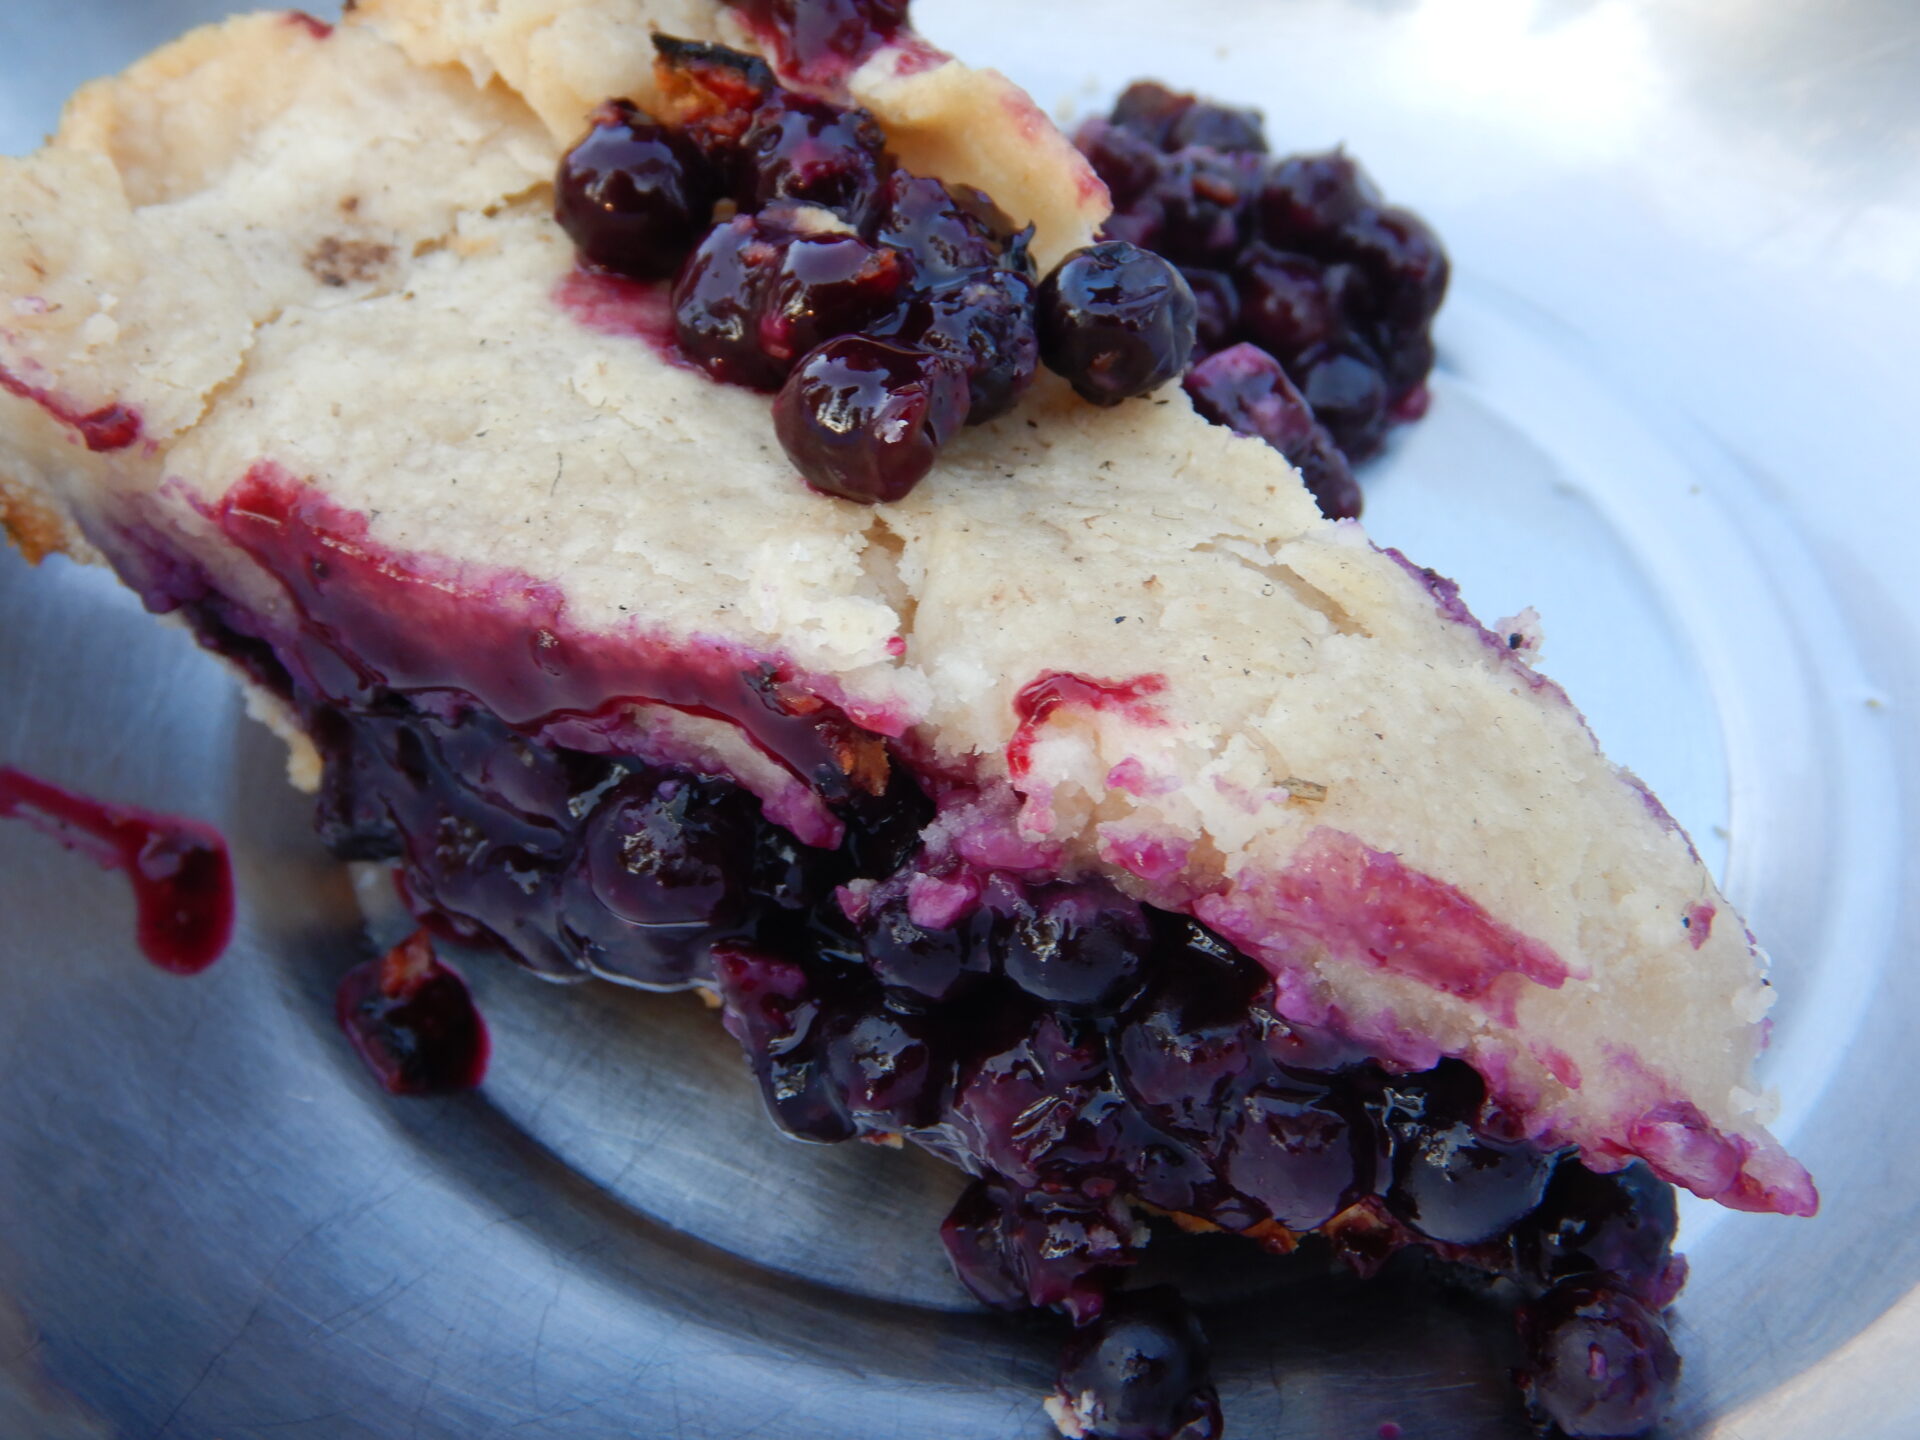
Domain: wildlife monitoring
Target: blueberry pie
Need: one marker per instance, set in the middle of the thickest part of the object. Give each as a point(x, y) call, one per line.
point(723, 496)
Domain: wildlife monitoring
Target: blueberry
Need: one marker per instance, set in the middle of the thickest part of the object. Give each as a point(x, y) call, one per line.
point(1076, 947)
point(1126, 163)
point(885, 1067)
point(1306, 199)
point(1218, 127)
point(985, 321)
point(1140, 1372)
point(1055, 1249)
point(1598, 1362)
point(804, 149)
point(1216, 300)
point(718, 299)
point(1343, 385)
point(864, 419)
point(1620, 1226)
point(1204, 199)
point(777, 1009)
point(926, 964)
point(1245, 389)
point(1117, 321)
point(921, 216)
point(1286, 308)
point(1149, 110)
point(1455, 1185)
point(634, 197)
point(1402, 258)
point(1291, 1150)
point(824, 286)
point(1187, 1040)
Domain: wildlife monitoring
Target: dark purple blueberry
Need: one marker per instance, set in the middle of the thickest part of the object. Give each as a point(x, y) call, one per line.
point(664, 861)
point(1457, 1186)
point(919, 215)
point(884, 830)
point(1142, 223)
point(774, 1007)
point(1189, 1038)
point(719, 297)
point(1306, 199)
point(1077, 946)
point(1403, 262)
point(906, 956)
point(1216, 301)
point(1204, 199)
point(1045, 1108)
point(884, 1066)
point(985, 321)
point(1598, 1362)
point(1245, 389)
point(804, 149)
point(1290, 1150)
point(1139, 1372)
point(864, 419)
point(1218, 127)
point(1126, 163)
point(1620, 1225)
point(825, 286)
point(1343, 386)
point(1284, 304)
point(412, 1021)
point(1117, 321)
point(634, 196)
point(1149, 109)
point(1013, 1248)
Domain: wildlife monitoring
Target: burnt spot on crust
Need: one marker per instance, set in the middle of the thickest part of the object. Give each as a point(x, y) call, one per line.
point(339, 262)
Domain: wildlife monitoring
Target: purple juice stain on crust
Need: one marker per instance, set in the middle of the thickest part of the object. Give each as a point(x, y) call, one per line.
point(111, 427)
point(312, 24)
point(821, 42)
point(611, 304)
point(181, 876)
point(413, 1022)
point(1041, 697)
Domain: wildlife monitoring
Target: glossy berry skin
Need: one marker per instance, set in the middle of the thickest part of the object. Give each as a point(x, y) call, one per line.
point(719, 296)
point(1218, 127)
point(1014, 1248)
point(633, 196)
point(1598, 1362)
point(1115, 320)
point(1453, 1184)
point(828, 285)
point(1344, 387)
point(1245, 389)
point(412, 1021)
point(918, 214)
point(1076, 948)
point(1306, 200)
point(1139, 1372)
point(920, 963)
point(864, 419)
point(1286, 307)
point(984, 320)
point(1620, 1225)
point(803, 149)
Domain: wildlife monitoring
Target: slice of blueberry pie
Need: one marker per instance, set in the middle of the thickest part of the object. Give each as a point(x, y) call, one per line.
point(707, 492)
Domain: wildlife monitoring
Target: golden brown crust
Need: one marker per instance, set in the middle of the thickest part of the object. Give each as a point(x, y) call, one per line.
point(36, 529)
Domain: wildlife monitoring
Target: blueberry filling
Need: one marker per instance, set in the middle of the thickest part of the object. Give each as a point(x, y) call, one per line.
point(803, 257)
point(1298, 257)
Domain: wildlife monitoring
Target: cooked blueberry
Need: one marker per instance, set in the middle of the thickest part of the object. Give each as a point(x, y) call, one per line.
point(864, 419)
point(718, 299)
point(1117, 321)
point(1139, 1372)
point(1620, 1226)
point(1245, 389)
point(1306, 199)
point(805, 149)
point(804, 1100)
point(1149, 110)
point(1342, 384)
point(1216, 301)
point(884, 1066)
point(634, 196)
point(1285, 305)
point(1598, 1362)
point(1402, 259)
point(1218, 127)
point(1126, 162)
point(1045, 1109)
point(904, 955)
point(1455, 1185)
point(985, 321)
point(1187, 1040)
point(1074, 946)
point(919, 215)
point(1014, 1248)
point(824, 286)
point(1204, 198)
point(412, 1021)
point(1294, 1153)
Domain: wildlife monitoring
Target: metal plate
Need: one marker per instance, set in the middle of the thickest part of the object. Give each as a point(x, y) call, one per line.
point(1674, 414)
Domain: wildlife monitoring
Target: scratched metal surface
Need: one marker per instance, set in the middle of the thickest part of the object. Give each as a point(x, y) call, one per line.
point(1674, 414)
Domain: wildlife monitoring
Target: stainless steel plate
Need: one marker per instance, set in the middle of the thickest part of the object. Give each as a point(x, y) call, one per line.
point(1675, 415)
